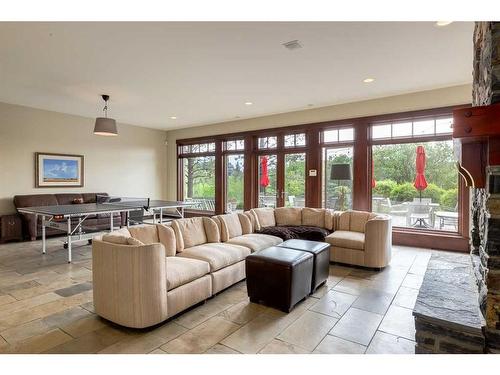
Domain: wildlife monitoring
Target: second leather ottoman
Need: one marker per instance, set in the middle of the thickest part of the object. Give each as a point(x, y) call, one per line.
point(321, 252)
point(279, 277)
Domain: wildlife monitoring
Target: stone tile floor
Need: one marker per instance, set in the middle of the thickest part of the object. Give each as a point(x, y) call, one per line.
point(46, 307)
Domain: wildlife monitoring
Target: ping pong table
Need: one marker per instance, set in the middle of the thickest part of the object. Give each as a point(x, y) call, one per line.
point(71, 218)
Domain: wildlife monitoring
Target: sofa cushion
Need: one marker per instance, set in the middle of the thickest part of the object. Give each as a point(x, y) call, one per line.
point(314, 217)
point(344, 221)
point(212, 231)
point(166, 235)
point(181, 271)
point(67, 198)
point(134, 241)
point(218, 255)
point(347, 239)
point(358, 221)
point(147, 234)
point(256, 241)
point(252, 219)
point(246, 224)
point(288, 216)
point(264, 217)
point(189, 232)
point(231, 226)
point(118, 239)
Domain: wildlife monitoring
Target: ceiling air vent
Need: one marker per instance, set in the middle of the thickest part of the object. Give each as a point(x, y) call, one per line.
point(293, 44)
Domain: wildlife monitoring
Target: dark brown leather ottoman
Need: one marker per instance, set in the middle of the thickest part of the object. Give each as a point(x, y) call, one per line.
point(321, 253)
point(279, 277)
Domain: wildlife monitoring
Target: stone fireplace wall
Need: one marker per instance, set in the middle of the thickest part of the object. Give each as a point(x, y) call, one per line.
point(485, 208)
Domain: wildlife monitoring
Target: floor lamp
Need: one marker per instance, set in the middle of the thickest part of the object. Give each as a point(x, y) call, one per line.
point(341, 172)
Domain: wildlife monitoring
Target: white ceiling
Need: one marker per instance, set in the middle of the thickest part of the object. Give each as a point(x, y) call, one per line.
point(205, 72)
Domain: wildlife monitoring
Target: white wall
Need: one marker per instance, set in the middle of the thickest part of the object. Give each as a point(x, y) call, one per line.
point(455, 95)
point(131, 164)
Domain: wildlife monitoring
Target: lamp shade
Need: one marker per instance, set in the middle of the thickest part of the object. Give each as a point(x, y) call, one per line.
point(340, 172)
point(105, 126)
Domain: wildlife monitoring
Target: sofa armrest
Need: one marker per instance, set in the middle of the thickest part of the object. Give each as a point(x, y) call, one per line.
point(129, 283)
point(378, 241)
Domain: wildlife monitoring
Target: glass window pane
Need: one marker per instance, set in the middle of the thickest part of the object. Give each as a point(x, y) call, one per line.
point(199, 182)
point(295, 180)
point(402, 129)
point(262, 142)
point(290, 140)
point(240, 144)
point(230, 145)
point(185, 149)
point(443, 125)
point(211, 146)
point(346, 135)
point(204, 147)
point(272, 142)
point(434, 206)
point(330, 136)
point(425, 127)
point(267, 180)
point(195, 148)
point(381, 131)
point(337, 193)
point(235, 183)
point(300, 139)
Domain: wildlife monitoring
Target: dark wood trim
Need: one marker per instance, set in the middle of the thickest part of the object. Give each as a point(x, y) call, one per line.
point(362, 147)
point(419, 114)
point(430, 239)
point(220, 180)
point(361, 189)
point(313, 161)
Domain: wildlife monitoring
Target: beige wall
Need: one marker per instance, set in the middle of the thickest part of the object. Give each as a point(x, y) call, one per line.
point(401, 103)
point(132, 164)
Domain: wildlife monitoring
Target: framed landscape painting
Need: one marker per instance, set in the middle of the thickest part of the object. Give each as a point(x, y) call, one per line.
point(58, 170)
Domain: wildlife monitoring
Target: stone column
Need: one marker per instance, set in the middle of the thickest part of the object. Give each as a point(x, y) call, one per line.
point(485, 211)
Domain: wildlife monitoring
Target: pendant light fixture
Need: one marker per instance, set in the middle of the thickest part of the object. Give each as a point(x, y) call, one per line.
point(104, 125)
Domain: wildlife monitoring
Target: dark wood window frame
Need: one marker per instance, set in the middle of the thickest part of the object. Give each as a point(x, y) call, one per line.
point(361, 169)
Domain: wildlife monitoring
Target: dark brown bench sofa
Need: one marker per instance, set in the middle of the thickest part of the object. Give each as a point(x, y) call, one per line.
point(32, 228)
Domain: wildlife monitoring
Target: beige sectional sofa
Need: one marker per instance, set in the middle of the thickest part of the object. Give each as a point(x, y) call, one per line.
point(358, 238)
point(144, 274)
point(147, 273)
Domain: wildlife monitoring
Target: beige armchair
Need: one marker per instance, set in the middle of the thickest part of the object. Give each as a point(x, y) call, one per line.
point(361, 238)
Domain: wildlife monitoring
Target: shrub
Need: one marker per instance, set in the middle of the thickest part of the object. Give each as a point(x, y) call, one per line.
point(383, 188)
point(449, 199)
point(403, 192)
point(432, 191)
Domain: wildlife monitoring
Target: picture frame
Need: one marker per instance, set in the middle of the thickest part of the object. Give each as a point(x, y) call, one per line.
point(58, 170)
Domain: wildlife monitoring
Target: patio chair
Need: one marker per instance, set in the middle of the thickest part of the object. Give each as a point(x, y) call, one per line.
point(420, 214)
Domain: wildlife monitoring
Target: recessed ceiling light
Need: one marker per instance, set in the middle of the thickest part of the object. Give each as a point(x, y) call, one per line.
point(369, 80)
point(443, 23)
point(248, 103)
point(173, 117)
point(292, 44)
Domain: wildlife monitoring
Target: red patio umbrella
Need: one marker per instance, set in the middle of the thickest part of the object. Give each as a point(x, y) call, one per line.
point(420, 182)
point(264, 176)
point(374, 183)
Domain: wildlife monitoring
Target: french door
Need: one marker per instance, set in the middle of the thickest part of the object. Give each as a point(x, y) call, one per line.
point(281, 179)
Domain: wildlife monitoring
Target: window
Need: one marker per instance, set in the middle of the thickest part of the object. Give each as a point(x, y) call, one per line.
point(411, 202)
point(235, 186)
point(199, 182)
point(267, 143)
point(338, 135)
point(413, 128)
point(337, 178)
point(268, 165)
point(235, 145)
point(198, 148)
point(295, 140)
